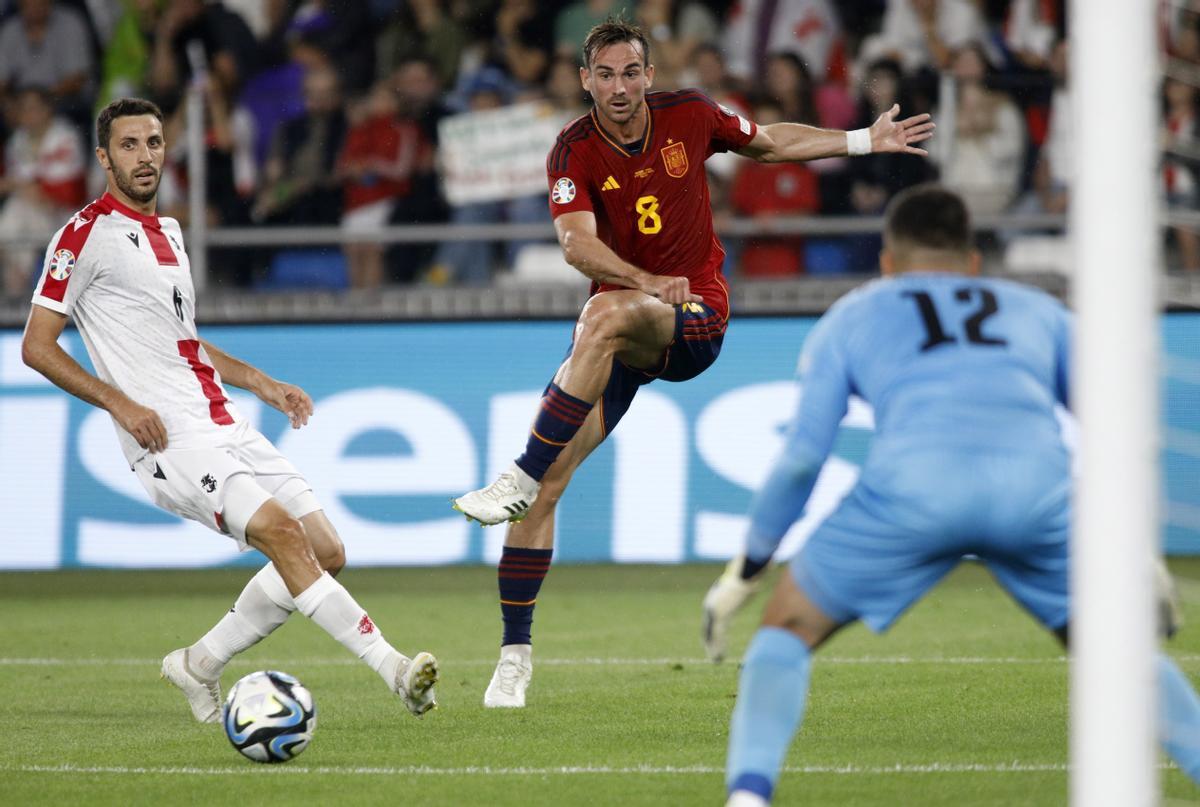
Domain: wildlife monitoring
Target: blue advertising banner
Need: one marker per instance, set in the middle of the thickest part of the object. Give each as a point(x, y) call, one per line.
point(409, 415)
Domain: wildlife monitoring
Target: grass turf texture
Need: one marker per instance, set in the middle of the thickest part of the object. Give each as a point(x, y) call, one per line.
point(622, 708)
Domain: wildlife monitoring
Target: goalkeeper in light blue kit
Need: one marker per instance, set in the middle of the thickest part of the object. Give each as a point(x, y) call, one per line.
point(964, 374)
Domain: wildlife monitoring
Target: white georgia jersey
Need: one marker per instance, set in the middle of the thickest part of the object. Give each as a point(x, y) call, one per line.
point(126, 280)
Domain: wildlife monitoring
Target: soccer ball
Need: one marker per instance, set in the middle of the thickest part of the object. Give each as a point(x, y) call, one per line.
point(269, 716)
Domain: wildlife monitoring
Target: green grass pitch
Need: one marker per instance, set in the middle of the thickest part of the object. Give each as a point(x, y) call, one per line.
point(963, 702)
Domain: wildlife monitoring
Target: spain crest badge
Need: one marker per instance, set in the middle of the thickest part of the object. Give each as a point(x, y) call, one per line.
point(675, 159)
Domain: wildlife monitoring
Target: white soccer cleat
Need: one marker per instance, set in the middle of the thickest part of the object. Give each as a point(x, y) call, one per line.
point(204, 696)
point(511, 678)
point(507, 499)
point(744, 798)
point(724, 599)
point(415, 678)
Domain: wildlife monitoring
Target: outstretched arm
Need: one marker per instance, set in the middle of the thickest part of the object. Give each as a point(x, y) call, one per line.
point(287, 398)
point(796, 142)
point(583, 249)
point(41, 351)
point(781, 500)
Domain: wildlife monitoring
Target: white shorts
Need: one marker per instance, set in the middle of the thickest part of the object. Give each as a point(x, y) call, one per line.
point(223, 487)
point(369, 217)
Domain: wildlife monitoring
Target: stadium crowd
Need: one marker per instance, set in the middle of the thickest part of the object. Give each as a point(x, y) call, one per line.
point(328, 112)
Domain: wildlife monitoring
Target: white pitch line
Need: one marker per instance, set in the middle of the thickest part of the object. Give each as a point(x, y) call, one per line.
point(567, 770)
point(568, 662)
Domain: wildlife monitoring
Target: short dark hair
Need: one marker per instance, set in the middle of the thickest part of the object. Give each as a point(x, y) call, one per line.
point(928, 216)
point(610, 32)
point(122, 108)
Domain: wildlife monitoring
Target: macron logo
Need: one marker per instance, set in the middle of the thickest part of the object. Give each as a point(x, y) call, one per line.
point(133, 238)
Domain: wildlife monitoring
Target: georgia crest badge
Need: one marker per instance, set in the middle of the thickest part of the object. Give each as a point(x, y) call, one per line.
point(675, 159)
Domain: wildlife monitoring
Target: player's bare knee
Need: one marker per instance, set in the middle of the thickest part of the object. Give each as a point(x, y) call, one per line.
point(332, 557)
point(601, 324)
point(286, 538)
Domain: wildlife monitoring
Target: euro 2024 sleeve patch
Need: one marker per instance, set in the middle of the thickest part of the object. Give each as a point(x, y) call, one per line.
point(61, 264)
point(563, 192)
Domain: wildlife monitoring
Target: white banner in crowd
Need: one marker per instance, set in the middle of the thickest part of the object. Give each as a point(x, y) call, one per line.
point(497, 154)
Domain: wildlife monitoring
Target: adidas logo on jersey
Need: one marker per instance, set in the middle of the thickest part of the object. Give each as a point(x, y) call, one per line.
point(610, 184)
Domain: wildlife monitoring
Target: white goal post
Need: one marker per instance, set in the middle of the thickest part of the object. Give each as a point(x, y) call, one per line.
point(1114, 232)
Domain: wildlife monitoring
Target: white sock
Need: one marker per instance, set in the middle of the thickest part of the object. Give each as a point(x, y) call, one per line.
point(263, 606)
point(328, 604)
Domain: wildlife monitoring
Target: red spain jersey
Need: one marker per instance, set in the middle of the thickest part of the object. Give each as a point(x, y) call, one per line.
point(651, 204)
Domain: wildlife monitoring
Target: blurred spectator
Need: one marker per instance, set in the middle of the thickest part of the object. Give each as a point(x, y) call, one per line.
point(420, 94)
point(299, 186)
point(343, 29)
point(257, 14)
point(48, 46)
point(377, 164)
point(789, 83)
point(572, 24)
point(1031, 29)
point(230, 49)
point(675, 28)
point(765, 190)
point(706, 72)
point(488, 80)
point(1051, 181)
point(789, 86)
point(875, 178)
point(1180, 31)
point(230, 174)
point(276, 95)
point(924, 33)
point(125, 62)
point(471, 262)
point(786, 81)
point(807, 28)
point(1180, 181)
point(527, 61)
point(985, 154)
point(564, 90)
point(419, 97)
point(44, 182)
point(423, 28)
point(520, 44)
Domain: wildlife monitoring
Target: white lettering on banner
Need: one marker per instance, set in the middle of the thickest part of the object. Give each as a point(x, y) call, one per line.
point(650, 485)
point(443, 461)
point(498, 153)
point(739, 435)
point(124, 544)
point(722, 535)
point(33, 438)
point(509, 418)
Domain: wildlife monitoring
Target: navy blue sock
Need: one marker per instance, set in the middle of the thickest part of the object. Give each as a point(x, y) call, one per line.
point(557, 421)
point(520, 576)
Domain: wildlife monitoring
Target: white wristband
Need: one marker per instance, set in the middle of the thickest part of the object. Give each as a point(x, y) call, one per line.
point(858, 142)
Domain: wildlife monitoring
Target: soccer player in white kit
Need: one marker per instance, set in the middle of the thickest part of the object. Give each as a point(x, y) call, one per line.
point(122, 274)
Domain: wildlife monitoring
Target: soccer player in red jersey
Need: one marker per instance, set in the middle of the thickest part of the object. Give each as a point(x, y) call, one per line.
point(631, 208)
